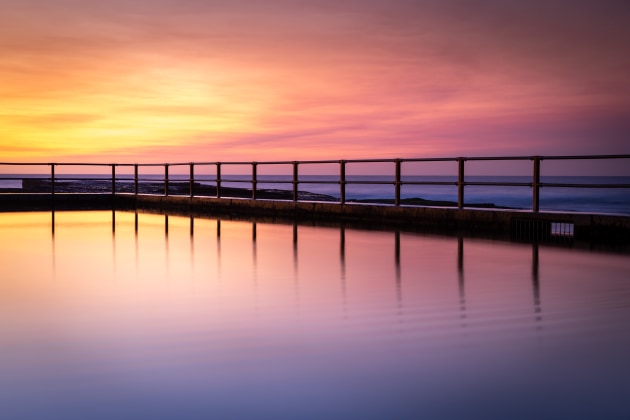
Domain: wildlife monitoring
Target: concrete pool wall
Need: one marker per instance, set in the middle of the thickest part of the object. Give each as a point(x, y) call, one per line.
point(510, 223)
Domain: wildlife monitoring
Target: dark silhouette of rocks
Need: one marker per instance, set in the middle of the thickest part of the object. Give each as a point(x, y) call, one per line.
point(174, 188)
point(104, 186)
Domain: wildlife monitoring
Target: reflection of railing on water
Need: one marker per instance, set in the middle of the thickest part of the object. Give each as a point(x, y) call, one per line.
point(342, 260)
point(460, 276)
point(343, 181)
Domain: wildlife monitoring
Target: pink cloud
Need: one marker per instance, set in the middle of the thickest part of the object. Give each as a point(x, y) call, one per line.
point(329, 79)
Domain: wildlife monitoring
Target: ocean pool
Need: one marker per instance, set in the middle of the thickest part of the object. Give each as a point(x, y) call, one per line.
point(125, 315)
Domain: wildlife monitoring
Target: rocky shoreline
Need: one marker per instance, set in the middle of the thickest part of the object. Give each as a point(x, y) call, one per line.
point(35, 186)
point(38, 186)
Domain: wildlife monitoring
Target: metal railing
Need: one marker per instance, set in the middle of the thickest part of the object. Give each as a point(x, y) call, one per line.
point(294, 180)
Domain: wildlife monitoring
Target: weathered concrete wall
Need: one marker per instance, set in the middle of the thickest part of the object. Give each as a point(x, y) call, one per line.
point(47, 202)
point(588, 227)
point(499, 222)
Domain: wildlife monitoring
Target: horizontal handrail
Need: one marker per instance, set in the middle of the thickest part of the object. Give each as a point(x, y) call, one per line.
point(342, 179)
point(499, 184)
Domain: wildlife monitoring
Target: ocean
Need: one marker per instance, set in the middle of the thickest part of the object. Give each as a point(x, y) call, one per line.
point(366, 187)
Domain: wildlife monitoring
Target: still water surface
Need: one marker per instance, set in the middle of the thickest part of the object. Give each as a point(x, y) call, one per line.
point(168, 317)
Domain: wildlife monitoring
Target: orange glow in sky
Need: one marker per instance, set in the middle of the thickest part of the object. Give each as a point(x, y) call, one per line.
point(183, 80)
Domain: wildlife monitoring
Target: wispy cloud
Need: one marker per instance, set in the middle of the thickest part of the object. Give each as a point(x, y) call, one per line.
point(300, 78)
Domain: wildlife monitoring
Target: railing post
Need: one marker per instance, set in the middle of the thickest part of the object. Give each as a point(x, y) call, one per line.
point(218, 179)
point(192, 178)
point(52, 179)
point(166, 179)
point(536, 185)
point(295, 181)
point(113, 179)
point(135, 179)
point(342, 181)
point(460, 182)
point(397, 183)
point(254, 165)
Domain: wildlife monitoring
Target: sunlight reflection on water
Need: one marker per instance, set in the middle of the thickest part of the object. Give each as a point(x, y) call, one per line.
point(123, 314)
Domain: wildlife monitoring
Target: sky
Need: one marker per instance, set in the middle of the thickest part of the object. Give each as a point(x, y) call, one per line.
point(211, 80)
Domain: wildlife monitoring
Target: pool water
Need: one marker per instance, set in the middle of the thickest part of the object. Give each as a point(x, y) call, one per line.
point(125, 315)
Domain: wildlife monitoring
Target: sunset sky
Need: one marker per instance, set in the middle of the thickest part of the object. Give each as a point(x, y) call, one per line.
point(207, 80)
